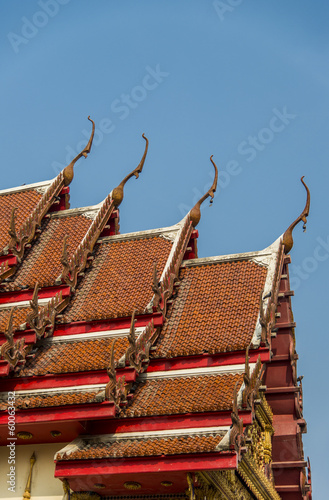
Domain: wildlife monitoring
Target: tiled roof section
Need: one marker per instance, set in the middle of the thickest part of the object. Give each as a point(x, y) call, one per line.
point(76, 356)
point(43, 262)
point(145, 447)
point(216, 309)
point(183, 395)
point(19, 317)
point(119, 280)
point(24, 201)
point(47, 400)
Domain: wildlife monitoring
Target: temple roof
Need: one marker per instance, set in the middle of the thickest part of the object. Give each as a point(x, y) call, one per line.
point(108, 289)
point(154, 351)
point(183, 394)
point(24, 199)
point(120, 447)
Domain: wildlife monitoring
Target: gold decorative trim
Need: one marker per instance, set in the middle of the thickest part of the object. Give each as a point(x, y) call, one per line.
point(24, 435)
point(256, 480)
point(132, 485)
point(27, 492)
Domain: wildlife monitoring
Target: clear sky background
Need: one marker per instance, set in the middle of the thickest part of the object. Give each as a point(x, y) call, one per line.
point(247, 83)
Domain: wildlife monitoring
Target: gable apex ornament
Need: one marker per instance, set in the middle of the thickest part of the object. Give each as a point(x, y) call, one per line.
point(195, 212)
point(287, 238)
point(31, 226)
point(117, 193)
point(68, 172)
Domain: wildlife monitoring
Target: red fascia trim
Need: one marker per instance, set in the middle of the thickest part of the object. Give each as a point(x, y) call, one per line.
point(65, 380)
point(60, 205)
point(165, 422)
point(4, 368)
point(111, 324)
point(106, 467)
point(11, 259)
point(63, 413)
point(205, 360)
point(100, 376)
point(44, 293)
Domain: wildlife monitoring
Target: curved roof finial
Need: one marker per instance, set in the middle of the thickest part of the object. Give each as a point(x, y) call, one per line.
point(68, 171)
point(117, 193)
point(195, 213)
point(287, 238)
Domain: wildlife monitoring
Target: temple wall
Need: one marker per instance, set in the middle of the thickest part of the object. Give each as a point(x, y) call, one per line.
point(44, 485)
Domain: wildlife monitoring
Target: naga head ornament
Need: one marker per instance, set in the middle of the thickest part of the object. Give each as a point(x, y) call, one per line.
point(68, 172)
point(287, 239)
point(195, 212)
point(117, 193)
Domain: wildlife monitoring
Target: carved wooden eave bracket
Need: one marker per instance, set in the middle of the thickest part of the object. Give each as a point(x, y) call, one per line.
point(237, 440)
point(287, 237)
point(79, 261)
point(31, 227)
point(117, 193)
point(42, 318)
point(137, 354)
point(7, 266)
point(116, 390)
point(195, 212)
point(15, 353)
point(252, 382)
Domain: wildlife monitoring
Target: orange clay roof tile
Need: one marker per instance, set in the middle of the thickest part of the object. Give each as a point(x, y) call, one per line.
point(119, 280)
point(215, 310)
point(61, 399)
point(43, 262)
point(145, 447)
point(19, 317)
point(25, 202)
point(183, 395)
point(75, 356)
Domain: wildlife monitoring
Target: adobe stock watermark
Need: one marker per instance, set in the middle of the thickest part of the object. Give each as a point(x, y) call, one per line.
point(300, 273)
point(248, 150)
point(11, 476)
point(223, 7)
point(121, 108)
point(30, 27)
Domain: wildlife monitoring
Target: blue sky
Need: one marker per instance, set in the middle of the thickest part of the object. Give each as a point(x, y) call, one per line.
point(247, 83)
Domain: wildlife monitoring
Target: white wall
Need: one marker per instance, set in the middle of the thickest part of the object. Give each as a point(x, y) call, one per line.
point(44, 485)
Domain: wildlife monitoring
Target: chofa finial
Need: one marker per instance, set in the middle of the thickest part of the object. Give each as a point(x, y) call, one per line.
point(117, 193)
point(287, 239)
point(68, 171)
point(195, 213)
